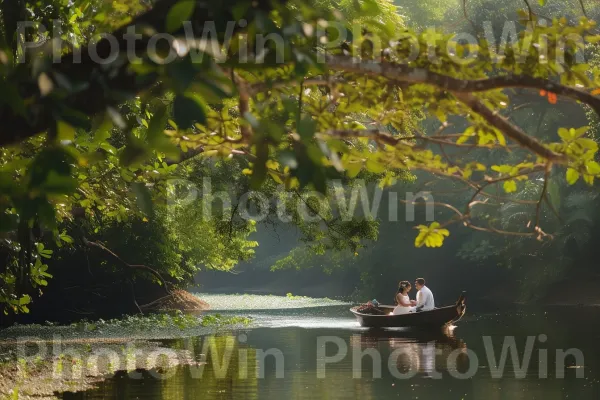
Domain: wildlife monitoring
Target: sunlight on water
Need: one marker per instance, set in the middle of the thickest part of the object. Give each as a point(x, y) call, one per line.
point(281, 311)
point(453, 364)
point(305, 322)
point(230, 302)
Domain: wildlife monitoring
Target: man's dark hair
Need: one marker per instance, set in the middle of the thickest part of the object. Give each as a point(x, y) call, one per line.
point(420, 281)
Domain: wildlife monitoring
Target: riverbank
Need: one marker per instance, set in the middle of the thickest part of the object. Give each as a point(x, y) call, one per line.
point(40, 361)
point(43, 360)
point(43, 369)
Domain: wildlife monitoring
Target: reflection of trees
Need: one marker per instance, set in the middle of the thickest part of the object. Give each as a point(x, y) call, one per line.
point(238, 380)
point(195, 382)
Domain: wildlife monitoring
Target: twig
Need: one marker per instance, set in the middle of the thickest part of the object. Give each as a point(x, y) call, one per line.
point(133, 297)
point(466, 15)
point(286, 83)
point(583, 8)
point(133, 266)
point(551, 206)
point(233, 211)
point(538, 207)
point(393, 140)
point(318, 214)
point(529, 9)
point(435, 203)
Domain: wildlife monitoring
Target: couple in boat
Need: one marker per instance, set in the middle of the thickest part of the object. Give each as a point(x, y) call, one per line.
point(405, 305)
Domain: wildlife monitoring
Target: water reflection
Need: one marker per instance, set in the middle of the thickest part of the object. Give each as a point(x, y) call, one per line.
point(432, 361)
point(414, 352)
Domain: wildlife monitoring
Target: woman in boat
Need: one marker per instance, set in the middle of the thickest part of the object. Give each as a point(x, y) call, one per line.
point(404, 304)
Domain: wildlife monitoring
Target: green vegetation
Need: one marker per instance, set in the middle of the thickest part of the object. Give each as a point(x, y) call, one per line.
point(152, 321)
point(89, 151)
point(220, 321)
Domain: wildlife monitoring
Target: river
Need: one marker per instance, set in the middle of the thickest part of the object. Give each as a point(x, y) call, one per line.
point(314, 351)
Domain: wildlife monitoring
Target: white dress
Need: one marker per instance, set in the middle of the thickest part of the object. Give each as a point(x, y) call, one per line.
point(398, 310)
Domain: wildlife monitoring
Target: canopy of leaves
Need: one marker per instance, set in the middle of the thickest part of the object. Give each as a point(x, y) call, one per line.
point(340, 94)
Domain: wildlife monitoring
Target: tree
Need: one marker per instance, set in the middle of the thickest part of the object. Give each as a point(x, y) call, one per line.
point(301, 108)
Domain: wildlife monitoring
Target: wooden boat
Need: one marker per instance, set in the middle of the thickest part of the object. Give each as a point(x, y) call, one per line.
point(435, 318)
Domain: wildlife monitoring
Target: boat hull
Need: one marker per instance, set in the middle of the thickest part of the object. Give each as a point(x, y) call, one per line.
point(435, 318)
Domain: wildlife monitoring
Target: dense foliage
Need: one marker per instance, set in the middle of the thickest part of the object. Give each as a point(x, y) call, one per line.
point(89, 150)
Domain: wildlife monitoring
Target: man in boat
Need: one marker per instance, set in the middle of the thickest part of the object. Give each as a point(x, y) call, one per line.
point(425, 300)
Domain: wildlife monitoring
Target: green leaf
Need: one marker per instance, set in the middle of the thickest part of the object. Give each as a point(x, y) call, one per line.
point(65, 131)
point(272, 129)
point(155, 133)
point(566, 134)
point(501, 138)
point(180, 12)
point(182, 74)
point(572, 176)
point(510, 186)
point(353, 168)
point(374, 166)
point(59, 184)
point(592, 39)
point(307, 128)
point(187, 110)
point(26, 299)
point(143, 197)
point(587, 143)
point(464, 138)
point(503, 169)
point(259, 171)
point(593, 168)
point(276, 177)
point(66, 238)
point(581, 131)
point(103, 131)
point(431, 236)
point(54, 159)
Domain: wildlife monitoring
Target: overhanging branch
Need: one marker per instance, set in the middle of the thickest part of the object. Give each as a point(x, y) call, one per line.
point(406, 74)
point(509, 129)
point(463, 89)
point(132, 266)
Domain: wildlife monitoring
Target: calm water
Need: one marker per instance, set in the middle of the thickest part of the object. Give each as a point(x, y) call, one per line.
point(450, 365)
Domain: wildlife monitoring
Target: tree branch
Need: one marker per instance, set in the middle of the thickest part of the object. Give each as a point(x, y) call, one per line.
point(184, 156)
point(583, 8)
point(538, 207)
point(286, 83)
point(132, 266)
point(510, 130)
point(463, 89)
point(405, 73)
point(466, 15)
point(529, 9)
